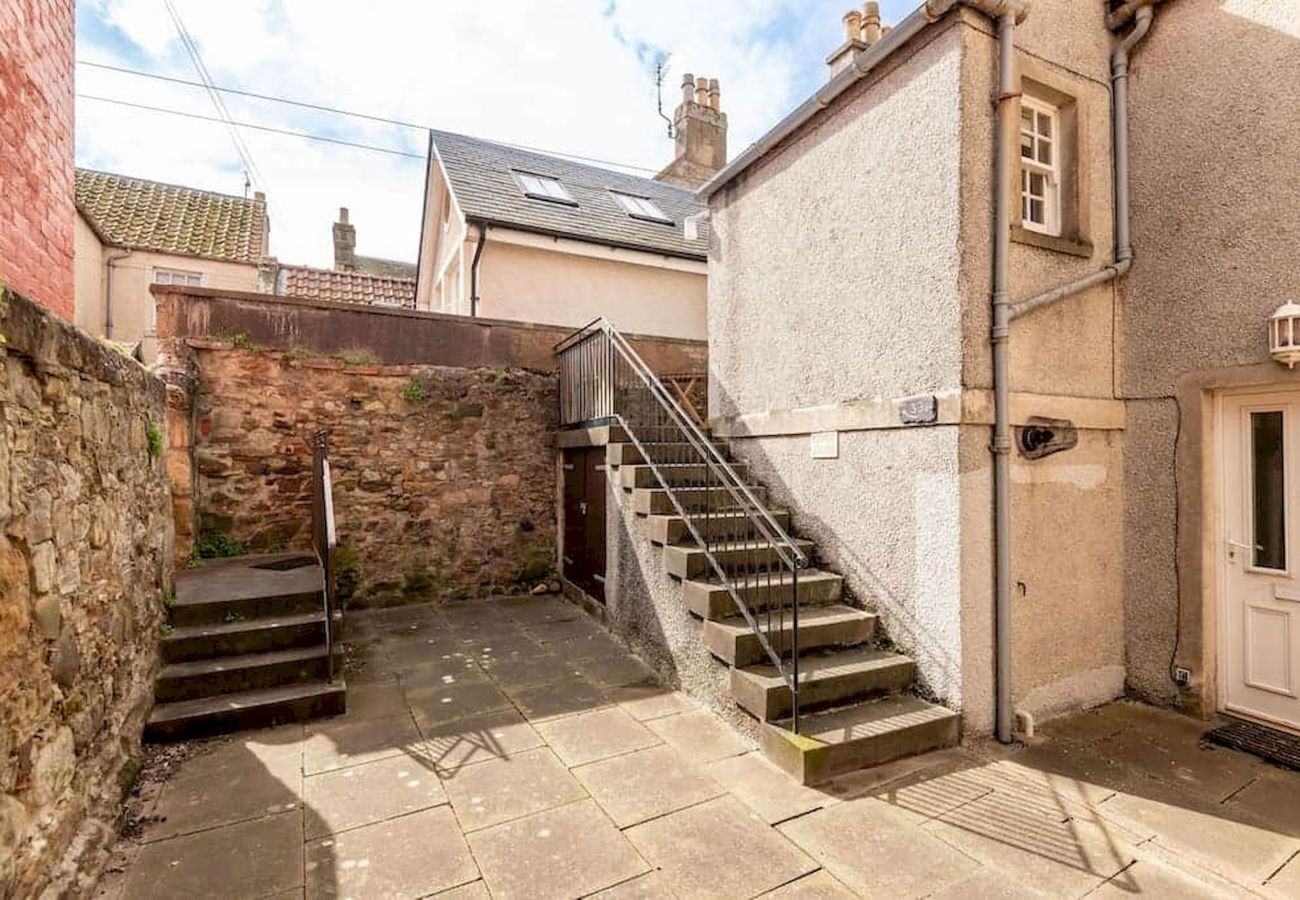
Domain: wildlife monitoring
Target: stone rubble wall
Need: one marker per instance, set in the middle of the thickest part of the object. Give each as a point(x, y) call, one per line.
point(442, 475)
point(85, 560)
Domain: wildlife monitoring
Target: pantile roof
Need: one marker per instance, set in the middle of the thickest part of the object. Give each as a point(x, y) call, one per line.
point(149, 215)
point(345, 287)
point(482, 175)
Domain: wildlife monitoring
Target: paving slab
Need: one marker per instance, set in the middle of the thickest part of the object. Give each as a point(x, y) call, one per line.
point(820, 885)
point(435, 705)
point(410, 856)
point(368, 793)
point(1150, 878)
point(209, 796)
point(700, 736)
point(649, 885)
point(719, 849)
point(595, 735)
point(504, 789)
point(765, 789)
point(644, 784)
point(337, 745)
point(1056, 853)
point(414, 651)
point(541, 610)
point(443, 669)
point(571, 851)
point(475, 890)
point(451, 746)
point(616, 671)
point(277, 750)
point(1272, 799)
point(374, 701)
point(573, 694)
point(1241, 852)
point(989, 884)
point(528, 670)
point(1285, 882)
point(876, 849)
point(651, 701)
point(249, 859)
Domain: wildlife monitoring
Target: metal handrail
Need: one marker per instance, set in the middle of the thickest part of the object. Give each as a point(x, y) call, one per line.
point(591, 391)
point(322, 532)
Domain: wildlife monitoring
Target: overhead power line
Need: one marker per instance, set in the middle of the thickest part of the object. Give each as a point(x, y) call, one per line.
point(298, 134)
point(192, 48)
point(319, 107)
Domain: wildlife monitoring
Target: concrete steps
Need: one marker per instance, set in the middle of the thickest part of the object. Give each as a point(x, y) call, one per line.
point(733, 642)
point(733, 526)
point(655, 501)
point(684, 474)
point(247, 709)
point(855, 708)
point(825, 679)
point(753, 558)
point(711, 600)
point(245, 647)
point(857, 737)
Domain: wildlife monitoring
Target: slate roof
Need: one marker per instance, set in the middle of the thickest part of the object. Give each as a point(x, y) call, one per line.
point(387, 268)
point(485, 188)
point(167, 218)
point(345, 287)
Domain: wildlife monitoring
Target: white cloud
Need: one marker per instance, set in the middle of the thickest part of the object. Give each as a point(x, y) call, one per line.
point(563, 75)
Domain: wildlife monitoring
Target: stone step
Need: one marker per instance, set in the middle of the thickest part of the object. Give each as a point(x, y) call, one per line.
point(671, 529)
point(828, 678)
point(711, 600)
point(628, 455)
point(655, 501)
point(855, 737)
point(246, 709)
point(218, 610)
point(732, 640)
point(751, 558)
point(260, 635)
point(677, 474)
point(245, 672)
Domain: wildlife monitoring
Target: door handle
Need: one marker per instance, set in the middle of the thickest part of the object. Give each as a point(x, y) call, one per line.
point(1234, 546)
point(582, 508)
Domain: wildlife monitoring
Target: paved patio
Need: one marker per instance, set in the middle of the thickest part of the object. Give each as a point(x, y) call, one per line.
point(511, 748)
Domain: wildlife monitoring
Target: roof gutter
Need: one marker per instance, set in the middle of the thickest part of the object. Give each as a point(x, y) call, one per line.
point(864, 62)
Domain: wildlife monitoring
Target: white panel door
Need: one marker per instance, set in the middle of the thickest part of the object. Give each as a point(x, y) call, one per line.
point(1260, 614)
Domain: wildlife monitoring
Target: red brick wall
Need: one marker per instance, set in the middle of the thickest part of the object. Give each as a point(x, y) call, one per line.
point(37, 212)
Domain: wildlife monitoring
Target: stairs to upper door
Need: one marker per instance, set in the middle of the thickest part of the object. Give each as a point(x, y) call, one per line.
point(246, 646)
point(857, 704)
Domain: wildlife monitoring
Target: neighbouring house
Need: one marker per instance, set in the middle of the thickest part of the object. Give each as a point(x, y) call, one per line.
point(514, 234)
point(133, 232)
point(346, 258)
point(883, 316)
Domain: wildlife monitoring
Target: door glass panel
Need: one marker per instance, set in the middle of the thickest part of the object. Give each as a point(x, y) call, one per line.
point(1268, 495)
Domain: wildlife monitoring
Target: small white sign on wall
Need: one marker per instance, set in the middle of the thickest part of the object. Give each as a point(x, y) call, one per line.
point(826, 445)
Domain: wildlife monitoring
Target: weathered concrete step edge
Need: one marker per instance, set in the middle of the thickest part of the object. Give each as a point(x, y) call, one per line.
point(191, 642)
point(248, 671)
point(626, 454)
point(247, 709)
point(656, 501)
point(690, 561)
point(710, 600)
point(676, 474)
point(671, 528)
point(832, 680)
point(183, 613)
point(735, 643)
point(858, 737)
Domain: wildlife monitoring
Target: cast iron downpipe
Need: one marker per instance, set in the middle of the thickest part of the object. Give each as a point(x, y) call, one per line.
point(1004, 312)
point(108, 291)
point(473, 269)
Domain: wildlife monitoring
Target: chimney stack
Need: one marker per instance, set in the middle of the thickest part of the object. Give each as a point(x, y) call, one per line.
point(701, 129)
point(345, 243)
point(861, 30)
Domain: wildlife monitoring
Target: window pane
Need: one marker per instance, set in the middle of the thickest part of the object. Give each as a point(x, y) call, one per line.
point(1037, 184)
point(1045, 152)
point(1044, 125)
point(1268, 494)
point(194, 280)
point(162, 278)
point(1036, 212)
point(1026, 119)
point(1026, 146)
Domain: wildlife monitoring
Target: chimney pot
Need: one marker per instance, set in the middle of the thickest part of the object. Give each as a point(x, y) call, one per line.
point(259, 196)
point(345, 243)
point(871, 22)
point(702, 91)
point(688, 87)
point(343, 214)
point(700, 134)
point(715, 94)
point(852, 25)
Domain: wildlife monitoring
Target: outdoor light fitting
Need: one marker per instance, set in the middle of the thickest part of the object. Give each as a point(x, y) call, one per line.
point(1284, 334)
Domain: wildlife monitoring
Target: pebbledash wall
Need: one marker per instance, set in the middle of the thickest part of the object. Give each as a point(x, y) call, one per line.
point(442, 436)
point(85, 559)
point(36, 177)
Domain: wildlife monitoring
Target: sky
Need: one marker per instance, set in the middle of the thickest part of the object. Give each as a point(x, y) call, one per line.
point(565, 76)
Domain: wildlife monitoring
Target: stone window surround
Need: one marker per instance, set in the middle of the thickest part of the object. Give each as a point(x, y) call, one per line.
point(1045, 86)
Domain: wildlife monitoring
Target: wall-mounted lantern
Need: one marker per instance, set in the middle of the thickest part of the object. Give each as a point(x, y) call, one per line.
point(1284, 334)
